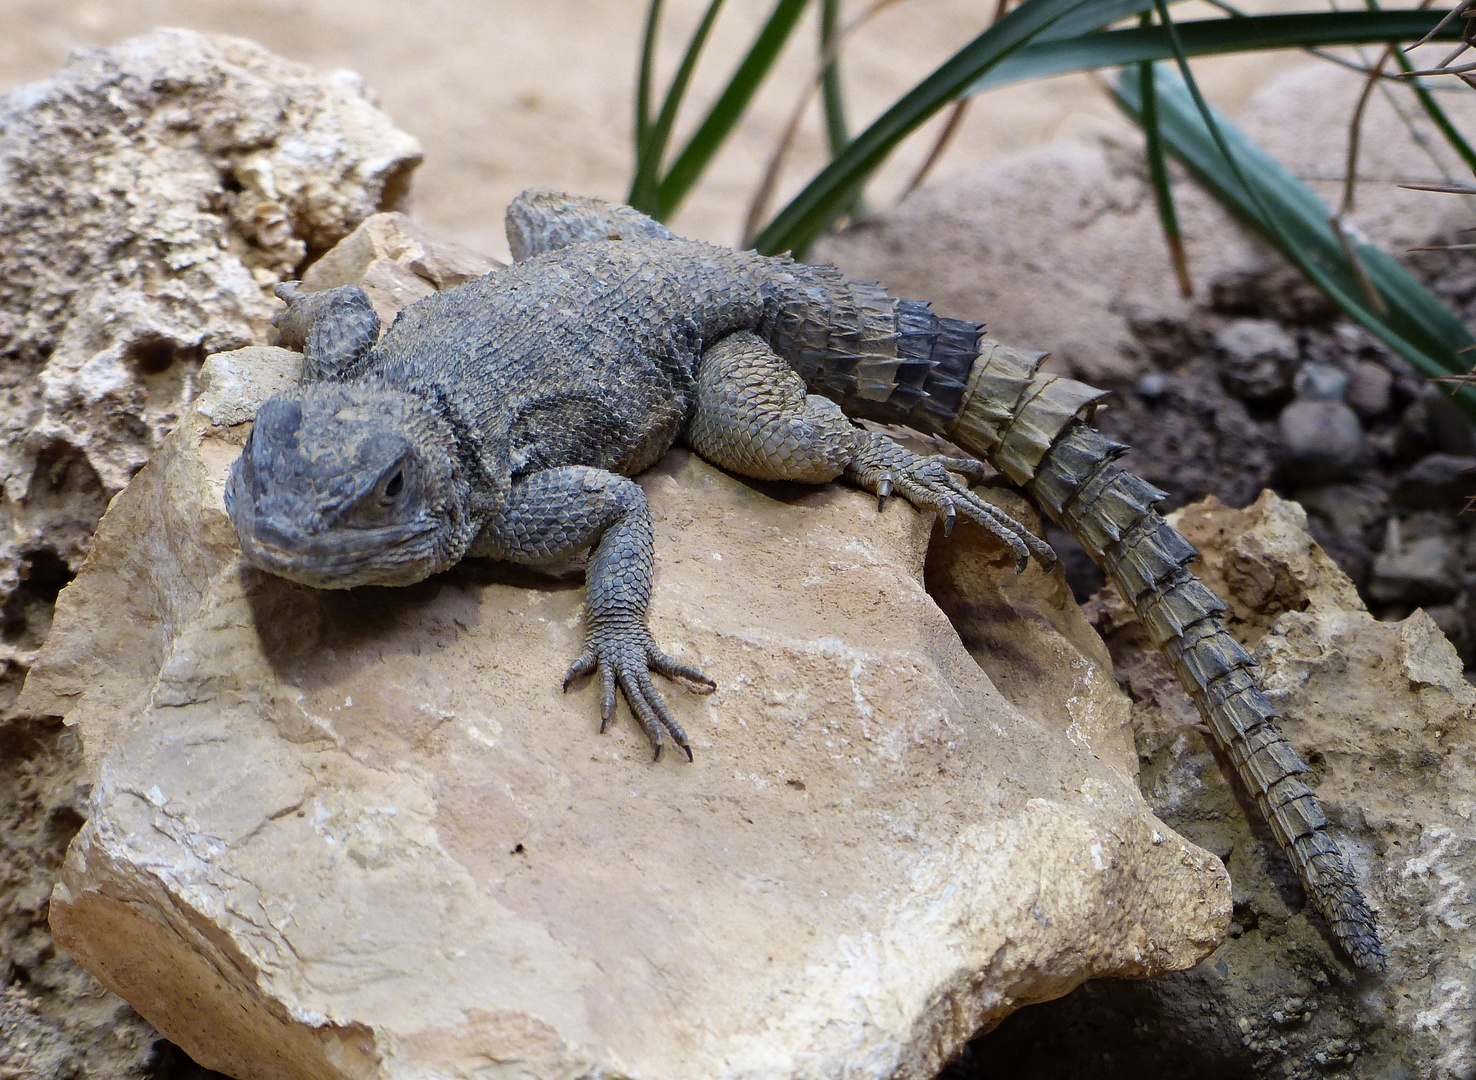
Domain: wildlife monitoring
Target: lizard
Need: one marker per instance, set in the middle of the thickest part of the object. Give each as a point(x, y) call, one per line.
point(504, 418)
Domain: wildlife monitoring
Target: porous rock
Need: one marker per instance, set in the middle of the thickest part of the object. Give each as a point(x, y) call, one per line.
point(150, 195)
point(364, 834)
point(1383, 714)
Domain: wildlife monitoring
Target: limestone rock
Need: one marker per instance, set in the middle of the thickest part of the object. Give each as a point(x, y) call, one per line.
point(364, 834)
point(1385, 717)
point(396, 263)
point(150, 194)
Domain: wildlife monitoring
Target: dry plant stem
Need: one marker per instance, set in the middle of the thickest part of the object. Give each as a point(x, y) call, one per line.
point(758, 207)
point(1355, 131)
point(1445, 189)
point(945, 137)
point(950, 127)
point(1365, 283)
point(1441, 71)
point(1441, 25)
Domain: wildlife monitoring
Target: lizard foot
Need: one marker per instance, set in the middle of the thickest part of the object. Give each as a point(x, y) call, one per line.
point(884, 466)
point(625, 656)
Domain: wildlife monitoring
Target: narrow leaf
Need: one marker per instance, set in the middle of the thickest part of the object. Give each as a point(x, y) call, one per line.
point(1158, 177)
point(653, 148)
point(729, 106)
point(647, 73)
point(1210, 37)
point(836, 131)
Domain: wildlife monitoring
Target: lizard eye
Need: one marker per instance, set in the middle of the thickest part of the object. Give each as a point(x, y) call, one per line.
point(385, 500)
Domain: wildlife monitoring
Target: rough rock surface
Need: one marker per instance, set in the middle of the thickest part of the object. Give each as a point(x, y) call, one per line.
point(1382, 713)
point(56, 1022)
point(338, 833)
point(396, 263)
point(150, 195)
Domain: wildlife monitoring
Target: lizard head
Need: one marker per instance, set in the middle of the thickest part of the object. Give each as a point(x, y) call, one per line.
point(340, 485)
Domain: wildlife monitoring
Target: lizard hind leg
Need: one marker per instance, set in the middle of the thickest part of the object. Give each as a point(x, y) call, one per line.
point(333, 329)
point(754, 418)
point(556, 512)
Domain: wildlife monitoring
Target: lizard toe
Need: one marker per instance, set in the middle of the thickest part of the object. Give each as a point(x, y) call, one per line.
point(695, 680)
point(624, 657)
point(884, 466)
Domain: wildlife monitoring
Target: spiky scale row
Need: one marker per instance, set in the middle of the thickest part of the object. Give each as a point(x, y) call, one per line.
point(1076, 479)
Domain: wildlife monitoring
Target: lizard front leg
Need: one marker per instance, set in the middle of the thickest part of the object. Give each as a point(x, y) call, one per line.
point(754, 417)
point(557, 512)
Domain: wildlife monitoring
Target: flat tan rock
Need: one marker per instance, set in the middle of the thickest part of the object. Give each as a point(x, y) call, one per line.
point(363, 834)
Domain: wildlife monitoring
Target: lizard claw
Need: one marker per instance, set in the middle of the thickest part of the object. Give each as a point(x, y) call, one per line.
point(881, 464)
point(625, 655)
point(883, 489)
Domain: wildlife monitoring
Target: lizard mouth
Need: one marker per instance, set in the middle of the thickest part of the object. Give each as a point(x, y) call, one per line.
point(341, 558)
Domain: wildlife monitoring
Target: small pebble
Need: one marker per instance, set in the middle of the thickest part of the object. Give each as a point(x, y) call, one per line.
point(1422, 569)
point(1320, 440)
point(1438, 482)
point(1152, 385)
point(1321, 382)
point(1257, 358)
point(1449, 427)
point(1370, 389)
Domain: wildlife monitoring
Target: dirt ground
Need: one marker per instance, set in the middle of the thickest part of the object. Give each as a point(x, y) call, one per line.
point(505, 94)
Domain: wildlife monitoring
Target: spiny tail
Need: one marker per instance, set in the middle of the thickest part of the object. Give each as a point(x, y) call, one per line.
point(1026, 424)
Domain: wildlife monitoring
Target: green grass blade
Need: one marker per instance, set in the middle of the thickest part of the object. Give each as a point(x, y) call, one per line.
point(718, 123)
point(1094, 16)
point(1262, 192)
point(653, 148)
point(643, 80)
point(837, 133)
point(1158, 177)
point(1211, 37)
point(813, 209)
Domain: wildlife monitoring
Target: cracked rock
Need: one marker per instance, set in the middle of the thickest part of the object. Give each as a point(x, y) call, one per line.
point(1384, 716)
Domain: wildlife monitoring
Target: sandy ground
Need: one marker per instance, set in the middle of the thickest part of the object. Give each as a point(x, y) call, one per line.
point(505, 94)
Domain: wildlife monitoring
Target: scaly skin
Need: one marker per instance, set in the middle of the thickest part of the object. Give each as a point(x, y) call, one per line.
point(502, 417)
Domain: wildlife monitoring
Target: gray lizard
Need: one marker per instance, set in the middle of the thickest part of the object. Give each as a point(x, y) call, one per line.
point(504, 417)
